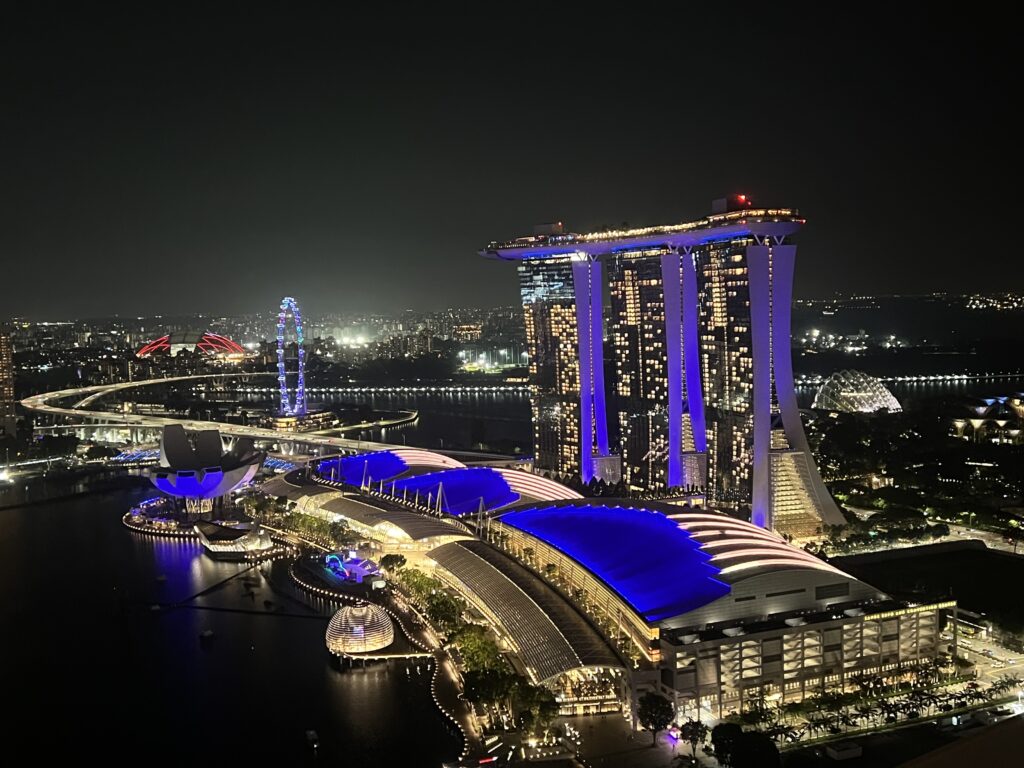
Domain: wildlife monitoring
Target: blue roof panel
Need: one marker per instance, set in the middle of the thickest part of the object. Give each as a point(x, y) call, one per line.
point(652, 563)
point(462, 490)
point(362, 468)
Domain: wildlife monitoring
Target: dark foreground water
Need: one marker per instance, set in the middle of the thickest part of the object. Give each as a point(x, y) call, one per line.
point(90, 669)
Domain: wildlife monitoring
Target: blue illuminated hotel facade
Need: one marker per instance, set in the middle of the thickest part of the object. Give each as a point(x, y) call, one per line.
point(699, 331)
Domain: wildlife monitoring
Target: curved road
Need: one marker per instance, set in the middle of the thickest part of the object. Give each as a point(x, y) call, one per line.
point(81, 411)
point(87, 395)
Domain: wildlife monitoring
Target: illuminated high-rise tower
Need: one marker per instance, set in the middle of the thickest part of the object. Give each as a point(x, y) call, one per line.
point(561, 295)
point(700, 330)
point(8, 417)
point(661, 428)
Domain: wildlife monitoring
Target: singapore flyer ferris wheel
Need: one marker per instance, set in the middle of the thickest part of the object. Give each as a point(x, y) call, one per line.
point(298, 407)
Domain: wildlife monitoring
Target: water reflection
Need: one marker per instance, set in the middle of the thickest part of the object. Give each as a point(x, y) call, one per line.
point(89, 619)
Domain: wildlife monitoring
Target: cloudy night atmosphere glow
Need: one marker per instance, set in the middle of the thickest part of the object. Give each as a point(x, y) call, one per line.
point(448, 389)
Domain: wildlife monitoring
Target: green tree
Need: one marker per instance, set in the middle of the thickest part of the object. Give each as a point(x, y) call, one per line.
point(536, 706)
point(655, 713)
point(444, 610)
point(695, 732)
point(489, 686)
point(476, 647)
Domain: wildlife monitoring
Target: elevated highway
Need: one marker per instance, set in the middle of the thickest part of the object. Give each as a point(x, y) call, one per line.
point(83, 413)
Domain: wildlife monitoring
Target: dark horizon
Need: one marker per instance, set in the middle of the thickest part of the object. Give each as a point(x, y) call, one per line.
point(157, 165)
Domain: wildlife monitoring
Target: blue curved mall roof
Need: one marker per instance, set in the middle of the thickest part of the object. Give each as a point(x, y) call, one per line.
point(463, 490)
point(362, 467)
point(652, 563)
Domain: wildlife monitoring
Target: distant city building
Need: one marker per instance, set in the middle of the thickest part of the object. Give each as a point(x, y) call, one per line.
point(700, 338)
point(1001, 302)
point(998, 420)
point(8, 416)
point(855, 392)
point(467, 332)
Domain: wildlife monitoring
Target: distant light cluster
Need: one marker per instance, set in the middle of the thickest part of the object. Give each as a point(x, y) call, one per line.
point(1002, 301)
point(815, 340)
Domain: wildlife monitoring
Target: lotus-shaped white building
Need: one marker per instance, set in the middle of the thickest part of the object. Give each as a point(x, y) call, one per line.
point(203, 471)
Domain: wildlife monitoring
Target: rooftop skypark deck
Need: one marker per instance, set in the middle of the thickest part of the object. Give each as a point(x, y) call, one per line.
point(760, 222)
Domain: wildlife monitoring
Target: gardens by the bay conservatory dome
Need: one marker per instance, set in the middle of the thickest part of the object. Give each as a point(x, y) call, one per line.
point(855, 392)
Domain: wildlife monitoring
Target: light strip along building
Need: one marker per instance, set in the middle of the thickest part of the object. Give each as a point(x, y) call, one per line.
point(700, 331)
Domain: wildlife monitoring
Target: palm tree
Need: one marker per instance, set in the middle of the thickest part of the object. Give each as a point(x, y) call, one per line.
point(847, 720)
point(890, 710)
point(815, 724)
point(783, 733)
point(867, 712)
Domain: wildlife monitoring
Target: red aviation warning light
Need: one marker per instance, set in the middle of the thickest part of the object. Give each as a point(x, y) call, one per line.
point(731, 203)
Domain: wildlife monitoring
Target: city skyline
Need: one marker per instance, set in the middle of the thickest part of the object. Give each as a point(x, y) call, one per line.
point(499, 388)
point(173, 155)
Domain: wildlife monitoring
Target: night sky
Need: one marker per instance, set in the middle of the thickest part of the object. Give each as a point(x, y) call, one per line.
point(178, 162)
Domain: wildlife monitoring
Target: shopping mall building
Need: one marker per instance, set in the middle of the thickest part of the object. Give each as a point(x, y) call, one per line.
point(602, 599)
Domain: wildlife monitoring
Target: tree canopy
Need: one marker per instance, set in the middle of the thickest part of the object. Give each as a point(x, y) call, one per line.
point(655, 713)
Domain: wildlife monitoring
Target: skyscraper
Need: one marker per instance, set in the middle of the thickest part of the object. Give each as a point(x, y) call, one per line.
point(700, 335)
point(660, 427)
point(8, 417)
point(562, 306)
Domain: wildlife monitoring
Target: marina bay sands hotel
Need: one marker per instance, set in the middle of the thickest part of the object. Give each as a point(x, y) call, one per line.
point(701, 388)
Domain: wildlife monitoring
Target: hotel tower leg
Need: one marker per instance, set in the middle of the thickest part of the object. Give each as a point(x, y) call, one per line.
point(788, 493)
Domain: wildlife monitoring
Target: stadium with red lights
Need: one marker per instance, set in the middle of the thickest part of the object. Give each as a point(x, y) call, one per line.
point(173, 343)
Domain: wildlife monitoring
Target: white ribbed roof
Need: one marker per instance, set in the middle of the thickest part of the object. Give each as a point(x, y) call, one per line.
point(535, 486)
point(741, 549)
point(418, 457)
